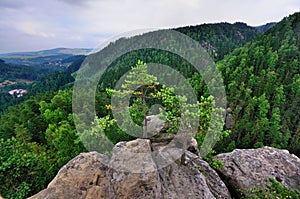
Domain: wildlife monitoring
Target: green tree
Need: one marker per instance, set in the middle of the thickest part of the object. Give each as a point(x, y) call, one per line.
point(137, 84)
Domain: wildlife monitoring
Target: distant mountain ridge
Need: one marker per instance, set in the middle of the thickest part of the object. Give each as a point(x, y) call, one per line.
point(43, 57)
point(236, 34)
point(50, 52)
point(266, 27)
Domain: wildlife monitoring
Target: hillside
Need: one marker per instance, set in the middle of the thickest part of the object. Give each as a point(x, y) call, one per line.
point(35, 79)
point(218, 39)
point(11, 74)
point(266, 27)
point(221, 38)
point(263, 89)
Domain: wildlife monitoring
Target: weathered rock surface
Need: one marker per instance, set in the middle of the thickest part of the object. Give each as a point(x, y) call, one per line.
point(141, 169)
point(154, 125)
point(246, 169)
point(131, 172)
point(80, 178)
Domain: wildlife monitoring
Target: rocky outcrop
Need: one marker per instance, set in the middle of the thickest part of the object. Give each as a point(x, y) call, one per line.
point(142, 169)
point(85, 176)
point(156, 131)
point(154, 125)
point(246, 169)
point(133, 172)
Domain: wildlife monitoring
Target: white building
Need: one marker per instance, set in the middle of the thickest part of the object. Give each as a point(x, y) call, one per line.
point(17, 92)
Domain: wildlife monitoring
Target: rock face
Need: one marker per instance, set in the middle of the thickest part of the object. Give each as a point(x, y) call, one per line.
point(154, 125)
point(156, 131)
point(131, 172)
point(141, 169)
point(251, 168)
point(83, 177)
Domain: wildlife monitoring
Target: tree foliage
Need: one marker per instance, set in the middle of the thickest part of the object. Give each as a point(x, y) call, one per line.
point(262, 82)
point(273, 190)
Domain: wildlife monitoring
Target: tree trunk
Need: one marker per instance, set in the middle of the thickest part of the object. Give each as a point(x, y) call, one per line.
point(145, 115)
point(184, 147)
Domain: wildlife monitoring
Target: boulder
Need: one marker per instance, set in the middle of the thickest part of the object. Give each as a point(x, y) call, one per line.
point(193, 146)
point(154, 126)
point(132, 172)
point(214, 183)
point(80, 178)
point(246, 169)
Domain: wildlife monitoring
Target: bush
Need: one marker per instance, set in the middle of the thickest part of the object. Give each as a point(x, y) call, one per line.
point(275, 190)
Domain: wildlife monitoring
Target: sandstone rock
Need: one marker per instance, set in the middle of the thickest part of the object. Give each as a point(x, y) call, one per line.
point(251, 168)
point(76, 178)
point(193, 146)
point(154, 125)
point(131, 172)
point(183, 182)
point(134, 173)
point(214, 183)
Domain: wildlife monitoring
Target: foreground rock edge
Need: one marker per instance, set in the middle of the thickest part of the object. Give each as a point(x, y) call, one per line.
point(91, 175)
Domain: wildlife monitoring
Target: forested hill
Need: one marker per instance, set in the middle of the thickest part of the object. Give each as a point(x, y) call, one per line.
point(218, 39)
point(221, 38)
point(14, 75)
point(266, 27)
point(11, 71)
point(35, 79)
point(263, 89)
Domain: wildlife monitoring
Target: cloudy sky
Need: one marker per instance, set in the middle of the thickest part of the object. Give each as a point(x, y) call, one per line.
point(43, 24)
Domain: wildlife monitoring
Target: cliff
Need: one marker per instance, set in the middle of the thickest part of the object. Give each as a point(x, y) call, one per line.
point(134, 171)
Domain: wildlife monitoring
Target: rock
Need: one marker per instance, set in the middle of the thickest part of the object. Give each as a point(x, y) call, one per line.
point(154, 126)
point(216, 186)
point(229, 121)
point(132, 172)
point(78, 178)
point(193, 146)
point(246, 169)
point(183, 182)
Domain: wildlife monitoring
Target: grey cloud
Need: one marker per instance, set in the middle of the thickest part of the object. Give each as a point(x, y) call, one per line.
point(78, 23)
point(12, 4)
point(76, 2)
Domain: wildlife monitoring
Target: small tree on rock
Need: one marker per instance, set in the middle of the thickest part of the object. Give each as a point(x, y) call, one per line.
point(137, 84)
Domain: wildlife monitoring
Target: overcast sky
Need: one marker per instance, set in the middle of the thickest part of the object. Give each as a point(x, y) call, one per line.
point(43, 24)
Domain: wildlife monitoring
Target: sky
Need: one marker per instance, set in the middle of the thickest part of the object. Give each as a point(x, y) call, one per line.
point(44, 24)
